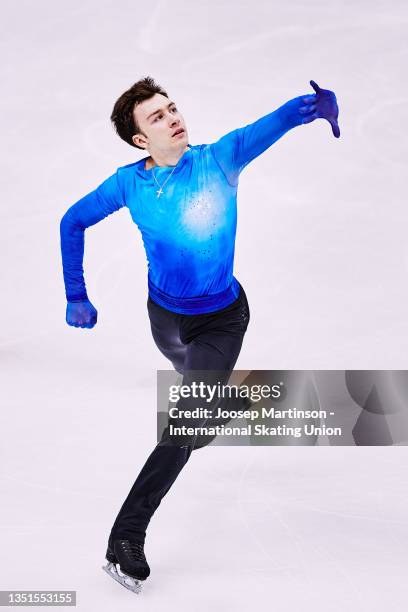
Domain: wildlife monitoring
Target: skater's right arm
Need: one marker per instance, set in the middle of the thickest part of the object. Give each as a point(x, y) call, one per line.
point(89, 210)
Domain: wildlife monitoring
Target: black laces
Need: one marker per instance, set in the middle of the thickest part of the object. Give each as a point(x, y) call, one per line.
point(134, 550)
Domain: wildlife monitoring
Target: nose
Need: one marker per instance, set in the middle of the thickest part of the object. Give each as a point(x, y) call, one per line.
point(173, 120)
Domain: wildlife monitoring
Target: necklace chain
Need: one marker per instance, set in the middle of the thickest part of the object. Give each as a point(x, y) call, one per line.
point(160, 190)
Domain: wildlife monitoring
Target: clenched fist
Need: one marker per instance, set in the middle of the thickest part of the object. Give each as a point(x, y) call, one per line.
point(81, 314)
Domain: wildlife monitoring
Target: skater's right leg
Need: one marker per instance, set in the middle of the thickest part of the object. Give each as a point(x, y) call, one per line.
point(165, 328)
point(155, 479)
point(209, 343)
point(164, 463)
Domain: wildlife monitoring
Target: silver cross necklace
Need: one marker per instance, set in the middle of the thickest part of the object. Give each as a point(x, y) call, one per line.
point(160, 190)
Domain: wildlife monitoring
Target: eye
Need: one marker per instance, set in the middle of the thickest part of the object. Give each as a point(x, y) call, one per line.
point(174, 109)
point(156, 118)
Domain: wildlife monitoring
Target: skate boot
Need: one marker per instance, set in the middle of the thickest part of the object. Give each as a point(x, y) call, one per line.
point(110, 555)
point(133, 567)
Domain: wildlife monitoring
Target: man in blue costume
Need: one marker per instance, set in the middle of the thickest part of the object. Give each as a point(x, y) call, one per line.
point(183, 198)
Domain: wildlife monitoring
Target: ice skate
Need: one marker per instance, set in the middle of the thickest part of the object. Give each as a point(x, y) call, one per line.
point(133, 567)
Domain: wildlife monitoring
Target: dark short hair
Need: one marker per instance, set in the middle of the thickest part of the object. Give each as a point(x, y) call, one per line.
point(122, 114)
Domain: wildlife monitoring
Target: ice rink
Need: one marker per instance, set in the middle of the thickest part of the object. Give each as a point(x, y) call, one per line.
point(321, 252)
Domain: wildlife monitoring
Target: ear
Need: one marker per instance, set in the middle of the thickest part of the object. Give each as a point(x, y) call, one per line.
point(140, 141)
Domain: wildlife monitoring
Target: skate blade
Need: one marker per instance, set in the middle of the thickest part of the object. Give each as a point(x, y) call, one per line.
point(130, 583)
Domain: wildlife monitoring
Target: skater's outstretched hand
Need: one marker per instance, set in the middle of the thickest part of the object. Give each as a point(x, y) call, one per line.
point(323, 105)
point(81, 314)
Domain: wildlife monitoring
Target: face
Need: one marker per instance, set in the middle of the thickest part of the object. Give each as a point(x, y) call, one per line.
point(162, 127)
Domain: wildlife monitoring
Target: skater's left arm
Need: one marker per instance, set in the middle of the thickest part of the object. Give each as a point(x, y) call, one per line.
point(236, 149)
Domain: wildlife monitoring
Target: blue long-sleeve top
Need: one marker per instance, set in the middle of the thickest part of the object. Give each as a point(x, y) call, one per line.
point(189, 231)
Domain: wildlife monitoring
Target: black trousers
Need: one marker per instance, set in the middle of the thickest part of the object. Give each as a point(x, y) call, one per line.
point(203, 348)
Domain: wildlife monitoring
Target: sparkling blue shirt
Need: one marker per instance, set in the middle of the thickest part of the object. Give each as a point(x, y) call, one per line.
point(189, 231)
